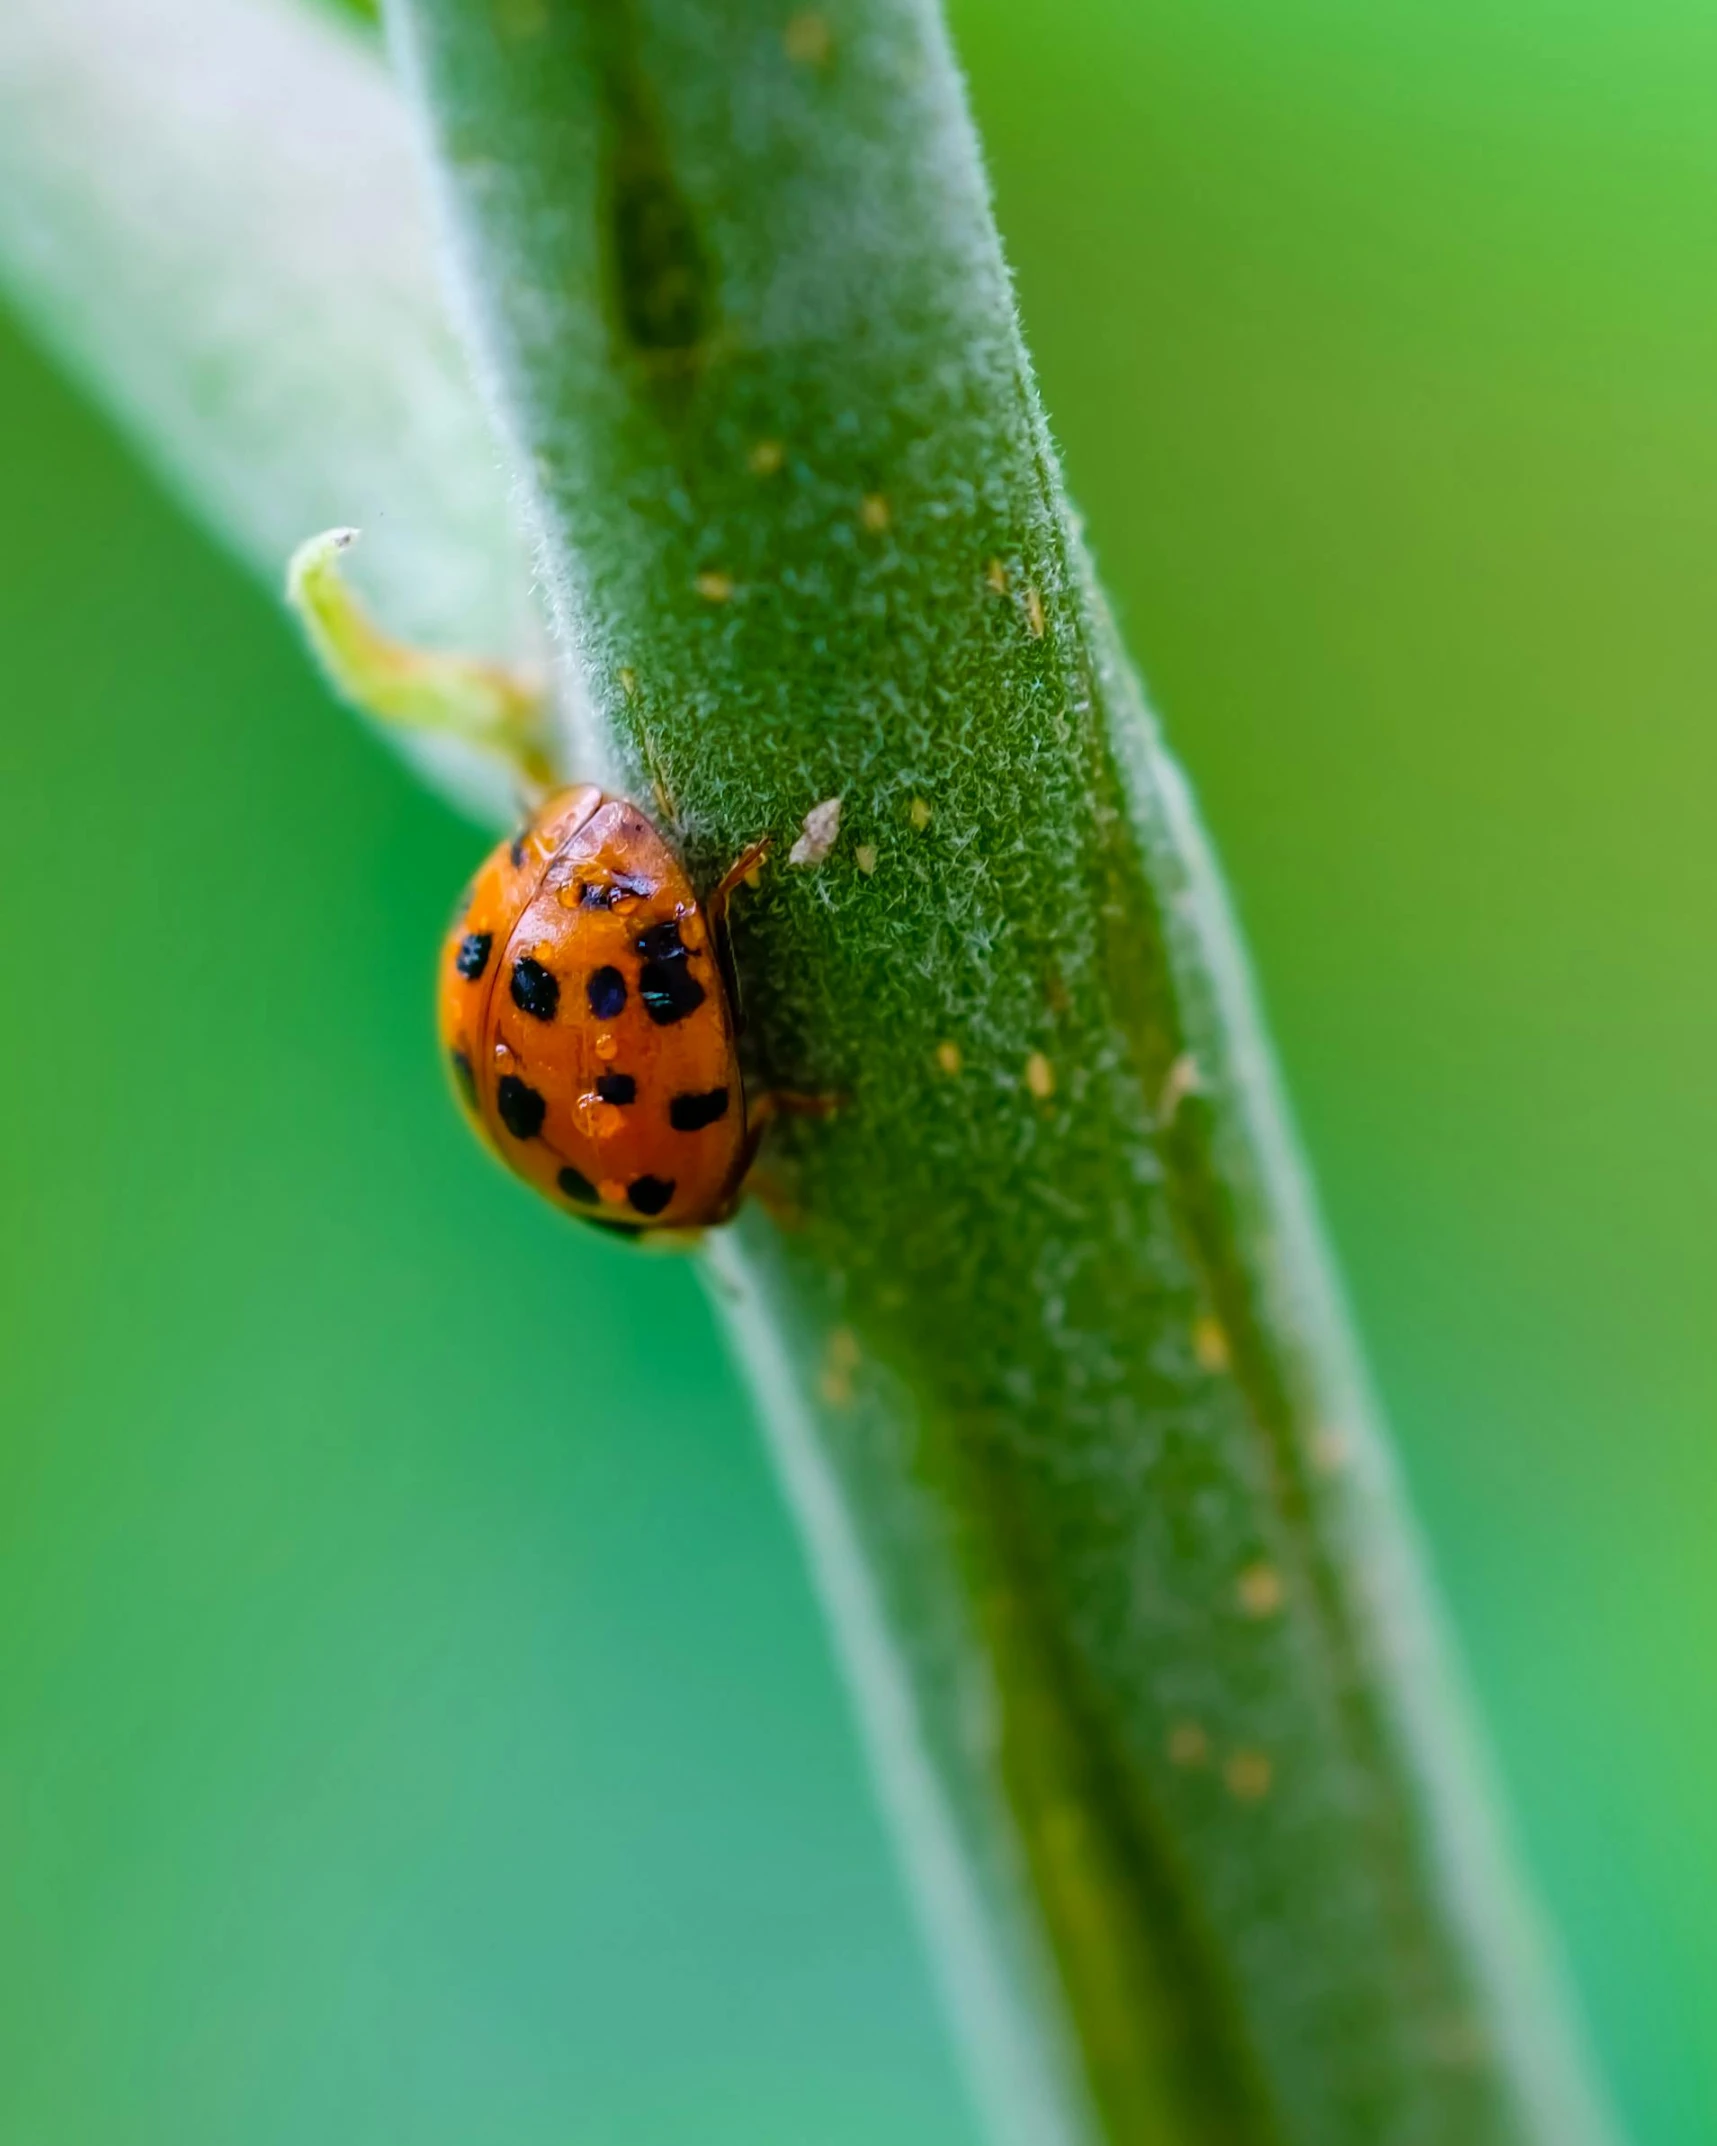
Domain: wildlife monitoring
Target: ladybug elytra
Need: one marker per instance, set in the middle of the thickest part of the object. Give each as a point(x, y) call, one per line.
point(588, 1015)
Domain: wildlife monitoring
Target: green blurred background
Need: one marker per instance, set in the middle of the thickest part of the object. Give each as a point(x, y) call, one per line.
point(398, 1747)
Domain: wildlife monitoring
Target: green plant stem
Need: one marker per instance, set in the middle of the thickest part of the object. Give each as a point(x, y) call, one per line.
point(1046, 1345)
point(1048, 1348)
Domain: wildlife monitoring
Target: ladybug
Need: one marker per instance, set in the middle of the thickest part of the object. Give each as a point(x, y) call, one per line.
point(589, 1015)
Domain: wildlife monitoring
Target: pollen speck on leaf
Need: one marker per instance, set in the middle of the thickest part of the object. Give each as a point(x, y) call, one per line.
point(1259, 1590)
point(714, 587)
point(1248, 1774)
point(1329, 1452)
point(1210, 1344)
point(948, 1058)
point(1040, 1076)
point(1188, 1744)
point(1181, 1081)
point(808, 39)
point(839, 1364)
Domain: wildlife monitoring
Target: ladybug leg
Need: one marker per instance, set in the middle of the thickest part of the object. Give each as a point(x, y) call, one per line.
point(792, 1103)
point(761, 1113)
point(715, 915)
point(742, 867)
point(499, 710)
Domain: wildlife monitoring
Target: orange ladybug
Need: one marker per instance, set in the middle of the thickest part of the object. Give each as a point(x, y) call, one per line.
point(588, 1014)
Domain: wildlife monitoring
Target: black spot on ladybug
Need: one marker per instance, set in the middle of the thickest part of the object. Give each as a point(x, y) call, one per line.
point(606, 992)
point(473, 956)
point(650, 1194)
point(522, 1109)
point(669, 992)
point(665, 983)
point(463, 1077)
point(617, 1088)
point(516, 849)
point(577, 1186)
point(661, 942)
point(535, 990)
point(691, 1113)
